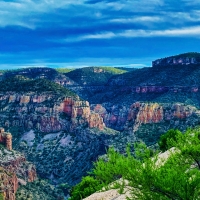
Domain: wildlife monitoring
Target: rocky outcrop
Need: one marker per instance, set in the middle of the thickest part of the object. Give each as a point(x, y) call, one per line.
point(14, 169)
point(75, 108)
point(121, 117)
point(6, 139)
point(182, 59)
point(174, 61)
point(9, 184)
point(145, 113)
point(112, 194)
point(96, 121)
point(44, 112)
point(79, 112)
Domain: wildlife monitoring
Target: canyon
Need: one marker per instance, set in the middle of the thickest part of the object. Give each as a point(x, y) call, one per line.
point(63, 122)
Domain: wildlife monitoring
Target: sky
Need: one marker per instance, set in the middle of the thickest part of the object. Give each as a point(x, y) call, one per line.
point(79, 33)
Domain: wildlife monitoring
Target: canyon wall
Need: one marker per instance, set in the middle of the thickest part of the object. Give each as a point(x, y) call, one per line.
point(46, 112)
point(121, 117)
point(14, 170)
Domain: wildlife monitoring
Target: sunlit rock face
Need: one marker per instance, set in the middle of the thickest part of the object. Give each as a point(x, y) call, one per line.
point(121, 117)
point(145, 113)
point(80, 113)
point(43, 112)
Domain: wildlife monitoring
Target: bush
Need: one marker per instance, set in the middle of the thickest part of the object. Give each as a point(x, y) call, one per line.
point(164, 141)
point(172, 175)
point(86, 187)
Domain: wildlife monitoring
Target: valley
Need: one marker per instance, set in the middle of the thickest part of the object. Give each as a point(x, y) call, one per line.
point(62, 121)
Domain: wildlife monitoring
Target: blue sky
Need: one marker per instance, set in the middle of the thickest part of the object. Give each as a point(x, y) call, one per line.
point(77, 33)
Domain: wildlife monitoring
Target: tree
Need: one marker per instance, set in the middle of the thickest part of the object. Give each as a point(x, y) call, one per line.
point(87, 186)
point(189, 145)
point(172, 175)
point(164, 141)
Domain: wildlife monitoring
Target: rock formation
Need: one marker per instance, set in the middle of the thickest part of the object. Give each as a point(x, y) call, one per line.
point(43, 112)
point(96, 121)
point(6, 138)
point(145, 113)
point(81, 109)
point(182, 59)
point(14, 169)
point(120, 117)
point(9, 184)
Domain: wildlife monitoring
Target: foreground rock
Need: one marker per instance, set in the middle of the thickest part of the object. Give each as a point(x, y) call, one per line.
point(112, 194)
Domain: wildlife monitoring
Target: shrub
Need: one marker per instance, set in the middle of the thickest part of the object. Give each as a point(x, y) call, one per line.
point(164, 141)
point(86, 187)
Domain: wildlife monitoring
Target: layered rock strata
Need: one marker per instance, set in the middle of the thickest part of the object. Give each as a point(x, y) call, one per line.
point(121, 117)
point(43, 112)
point(14, 169)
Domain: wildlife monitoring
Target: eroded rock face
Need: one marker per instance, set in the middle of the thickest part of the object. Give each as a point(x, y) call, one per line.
point(122, 117)
point(13, 166)
point(9, 184)
point(145, 113)
point(43, 112)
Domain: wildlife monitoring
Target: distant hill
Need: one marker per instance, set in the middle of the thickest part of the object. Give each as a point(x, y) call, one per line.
point(23, 84)
point(93, 75)
point(171, 83)
point(184, 75)
point(63, 70)
point(181, 59)
point(127, 69)
point(35, 72)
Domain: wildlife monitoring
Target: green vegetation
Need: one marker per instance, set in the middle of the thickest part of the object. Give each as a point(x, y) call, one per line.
point(22, 84)
point(1, 196)
point(87, 186)
point(173, 175)
point(63, 70)
point(127, 69)
point(195, 55)
point(113, 70)
point(165, 139)
point(39, 189)
point(3, 71)
point(189, 55)
point(32, 73)
point(93, 75)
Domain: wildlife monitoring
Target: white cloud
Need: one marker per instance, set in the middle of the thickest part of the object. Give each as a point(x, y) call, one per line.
point(19, 13)
point(183, 32)
point(138, 19)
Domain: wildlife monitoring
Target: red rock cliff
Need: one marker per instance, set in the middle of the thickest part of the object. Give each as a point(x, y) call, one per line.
point(13, 166)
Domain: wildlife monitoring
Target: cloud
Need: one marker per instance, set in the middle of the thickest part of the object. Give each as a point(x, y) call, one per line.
point(99, 1)
point(45, 31)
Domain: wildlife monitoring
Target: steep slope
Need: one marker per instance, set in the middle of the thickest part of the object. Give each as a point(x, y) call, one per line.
point(49, 123)
point(147, 121)
point(93, 76)
point(22, 84)
point(32, 73)
point(161, 83)
point(14, 170)
point(39, 73)
point(62, 135)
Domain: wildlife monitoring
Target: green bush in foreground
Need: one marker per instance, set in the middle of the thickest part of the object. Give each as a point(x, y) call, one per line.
point(1, 196)
point(87, 186)
point(170, 176)
point(164, 142)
